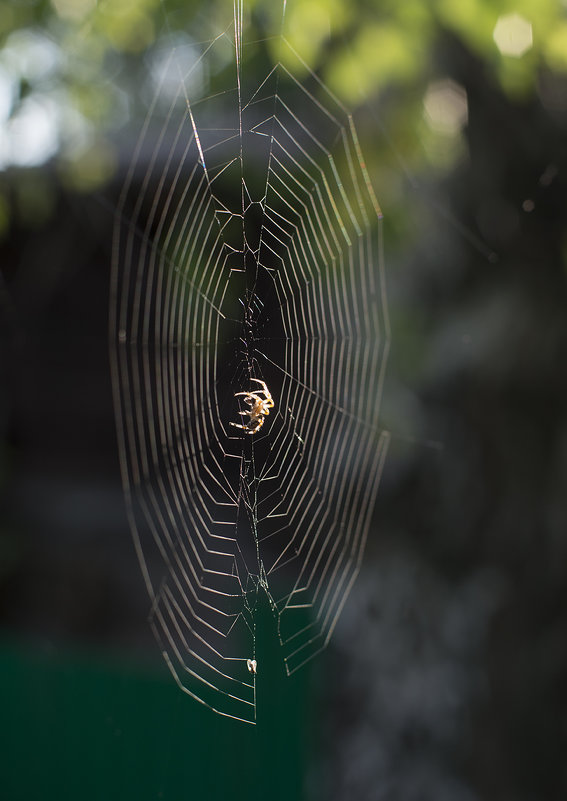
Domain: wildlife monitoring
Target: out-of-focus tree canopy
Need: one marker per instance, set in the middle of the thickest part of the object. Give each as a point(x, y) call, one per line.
point(73, 73)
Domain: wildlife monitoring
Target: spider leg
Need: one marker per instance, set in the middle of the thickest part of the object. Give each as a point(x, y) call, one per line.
point(248, 395)
point(264, 391)
point(263, 383)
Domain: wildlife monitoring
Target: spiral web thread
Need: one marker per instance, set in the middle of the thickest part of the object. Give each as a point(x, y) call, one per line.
point(282, 281)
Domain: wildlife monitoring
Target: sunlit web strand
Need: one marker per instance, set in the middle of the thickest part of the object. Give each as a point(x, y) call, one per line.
point(282, 280)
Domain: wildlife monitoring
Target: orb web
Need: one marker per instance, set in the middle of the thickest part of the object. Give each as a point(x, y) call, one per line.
point(247, 247)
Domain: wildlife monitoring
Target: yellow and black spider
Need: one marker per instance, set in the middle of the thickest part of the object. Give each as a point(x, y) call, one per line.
point(259, 407)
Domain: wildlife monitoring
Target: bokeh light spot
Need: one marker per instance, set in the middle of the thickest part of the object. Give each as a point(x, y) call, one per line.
point(446, 107)
point(513, 35)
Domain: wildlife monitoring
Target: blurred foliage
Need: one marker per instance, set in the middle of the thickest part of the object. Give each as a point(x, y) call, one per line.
point(80, 71)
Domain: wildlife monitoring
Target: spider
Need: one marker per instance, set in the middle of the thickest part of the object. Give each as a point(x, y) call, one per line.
point(259, 407)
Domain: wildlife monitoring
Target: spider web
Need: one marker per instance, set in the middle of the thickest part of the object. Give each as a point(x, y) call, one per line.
point(247, 246)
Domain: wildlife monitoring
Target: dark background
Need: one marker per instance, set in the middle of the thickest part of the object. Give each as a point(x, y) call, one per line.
point(446, 678)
